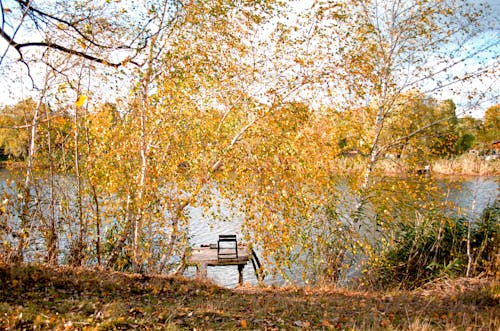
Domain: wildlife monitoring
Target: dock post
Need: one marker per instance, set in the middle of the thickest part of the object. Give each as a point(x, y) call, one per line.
point(202, 270)
point(240, 273)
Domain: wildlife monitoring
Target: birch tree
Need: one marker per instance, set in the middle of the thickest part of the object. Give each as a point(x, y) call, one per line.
point(378, 57)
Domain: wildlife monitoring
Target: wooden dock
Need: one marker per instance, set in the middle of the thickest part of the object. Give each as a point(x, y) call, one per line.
point(204, 257)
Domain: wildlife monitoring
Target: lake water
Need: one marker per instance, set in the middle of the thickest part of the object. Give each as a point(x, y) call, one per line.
point(474, 191)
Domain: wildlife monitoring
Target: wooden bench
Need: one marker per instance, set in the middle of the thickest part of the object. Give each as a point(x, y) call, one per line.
point(227, 247)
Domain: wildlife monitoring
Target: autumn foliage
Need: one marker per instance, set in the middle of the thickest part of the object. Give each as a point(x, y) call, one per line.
point(288, 120)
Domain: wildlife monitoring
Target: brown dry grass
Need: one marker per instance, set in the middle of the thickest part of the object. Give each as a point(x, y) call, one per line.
point(466, 165)
point(469, 165)
point(40, 297)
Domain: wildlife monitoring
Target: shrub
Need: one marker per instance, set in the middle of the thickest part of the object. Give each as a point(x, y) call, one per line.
point(437, 248)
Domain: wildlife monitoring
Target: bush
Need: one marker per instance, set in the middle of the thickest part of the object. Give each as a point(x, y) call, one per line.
point(438, 248)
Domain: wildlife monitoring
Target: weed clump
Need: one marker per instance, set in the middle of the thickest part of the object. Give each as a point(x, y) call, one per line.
point(443, 248)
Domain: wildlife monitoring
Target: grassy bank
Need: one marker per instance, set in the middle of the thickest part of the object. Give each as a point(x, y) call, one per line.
point(39, 297)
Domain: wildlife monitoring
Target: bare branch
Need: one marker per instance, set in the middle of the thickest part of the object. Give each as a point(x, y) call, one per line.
point(60, 48)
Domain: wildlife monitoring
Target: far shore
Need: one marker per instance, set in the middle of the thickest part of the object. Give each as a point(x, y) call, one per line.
point(465, 165)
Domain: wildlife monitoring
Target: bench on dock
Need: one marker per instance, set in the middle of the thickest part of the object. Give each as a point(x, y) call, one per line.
point(227, 247)
point(226, 252)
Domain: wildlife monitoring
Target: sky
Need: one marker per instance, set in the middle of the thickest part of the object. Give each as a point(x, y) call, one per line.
point(11, 90)
point(491, 37)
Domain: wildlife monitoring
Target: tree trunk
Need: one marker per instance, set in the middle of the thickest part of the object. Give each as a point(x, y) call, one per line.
point(137, 259)
point(95, 197)
point(77, 256)
point(470, 255)
point(52, 238)
point(25, 217)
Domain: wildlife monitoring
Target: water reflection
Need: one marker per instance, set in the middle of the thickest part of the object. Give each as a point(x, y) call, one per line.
point(475, 193)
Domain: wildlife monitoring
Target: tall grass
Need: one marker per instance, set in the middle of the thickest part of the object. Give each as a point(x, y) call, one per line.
point(393, 167)
point(437, 247)
point(467, 164)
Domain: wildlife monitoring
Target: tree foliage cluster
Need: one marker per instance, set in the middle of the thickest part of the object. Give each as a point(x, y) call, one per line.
point(235, 108)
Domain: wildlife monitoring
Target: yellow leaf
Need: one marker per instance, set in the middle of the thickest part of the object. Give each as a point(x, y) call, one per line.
point(81, 43)
point(81, 100)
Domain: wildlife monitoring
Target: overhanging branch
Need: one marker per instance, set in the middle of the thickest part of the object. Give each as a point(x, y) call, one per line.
point(19, 46)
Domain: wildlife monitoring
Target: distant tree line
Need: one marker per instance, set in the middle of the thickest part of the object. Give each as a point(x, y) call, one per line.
point(449, 136)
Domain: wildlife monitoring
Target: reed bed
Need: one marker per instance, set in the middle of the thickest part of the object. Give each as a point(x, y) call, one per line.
point(468, 165)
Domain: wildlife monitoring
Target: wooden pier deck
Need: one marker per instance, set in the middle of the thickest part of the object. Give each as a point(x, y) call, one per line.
point(203, 257)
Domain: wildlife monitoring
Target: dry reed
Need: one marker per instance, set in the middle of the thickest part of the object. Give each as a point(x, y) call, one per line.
point(468, 164)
